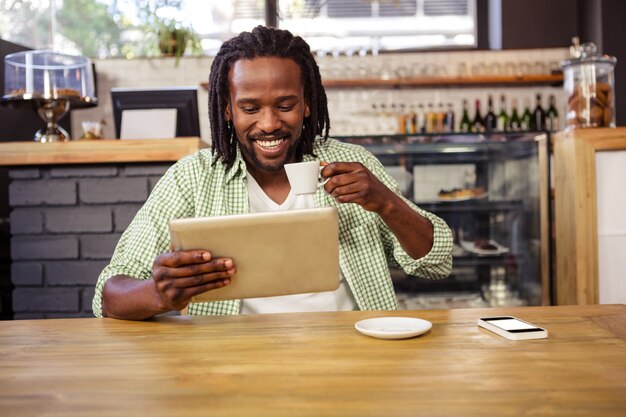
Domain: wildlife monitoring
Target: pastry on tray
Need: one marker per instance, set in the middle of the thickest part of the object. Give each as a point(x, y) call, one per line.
point(462, 193)
point(484, 247)
point(484, 244)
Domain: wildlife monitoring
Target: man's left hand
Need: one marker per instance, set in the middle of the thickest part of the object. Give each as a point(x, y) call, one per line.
point(351, 182)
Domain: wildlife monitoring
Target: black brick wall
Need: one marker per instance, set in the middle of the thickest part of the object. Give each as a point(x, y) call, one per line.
point(65, 222)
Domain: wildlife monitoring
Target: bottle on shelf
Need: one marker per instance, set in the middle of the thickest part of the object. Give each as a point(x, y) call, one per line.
point(441, 119)
point(527, 116)
point(538, 122)
point(412, 120)
point(490, 121)
point(449, 127)
point(466, 125)
point(421, 118)
point(552, 116)
point(431, 119)
point(401, 117)
point(478, 124)
point(515, 124)
point(503, 117)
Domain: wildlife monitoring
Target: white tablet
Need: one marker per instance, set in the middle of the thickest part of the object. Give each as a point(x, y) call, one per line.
point(276, 253)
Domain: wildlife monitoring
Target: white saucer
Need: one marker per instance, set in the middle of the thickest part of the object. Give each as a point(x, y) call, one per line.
point(393, 327)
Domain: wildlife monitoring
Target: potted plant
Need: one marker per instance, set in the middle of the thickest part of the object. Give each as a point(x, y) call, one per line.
point(174, 38)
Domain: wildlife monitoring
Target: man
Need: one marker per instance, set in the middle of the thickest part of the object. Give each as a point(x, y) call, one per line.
point(267, 107)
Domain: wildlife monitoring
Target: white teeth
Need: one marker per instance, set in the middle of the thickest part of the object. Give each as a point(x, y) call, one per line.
point(269, 144)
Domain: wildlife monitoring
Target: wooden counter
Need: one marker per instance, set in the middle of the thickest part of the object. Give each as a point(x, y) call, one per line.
point(97, 151)
point(576, 211)
point(315, 364)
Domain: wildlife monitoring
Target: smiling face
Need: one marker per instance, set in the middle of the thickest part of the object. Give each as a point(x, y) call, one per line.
point(267, 108)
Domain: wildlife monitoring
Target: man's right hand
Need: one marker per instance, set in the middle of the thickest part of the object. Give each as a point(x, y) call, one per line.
point(176, 277)
point(180, 275)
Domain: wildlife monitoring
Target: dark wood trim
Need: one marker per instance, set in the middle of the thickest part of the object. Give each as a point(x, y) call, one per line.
point(271, 13)
point(482, 24)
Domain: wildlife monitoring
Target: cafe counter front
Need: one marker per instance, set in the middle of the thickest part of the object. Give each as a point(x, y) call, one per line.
point(589, 220)
point(70, 202)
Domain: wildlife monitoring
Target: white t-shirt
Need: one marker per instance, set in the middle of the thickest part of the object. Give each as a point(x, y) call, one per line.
point(339, 300)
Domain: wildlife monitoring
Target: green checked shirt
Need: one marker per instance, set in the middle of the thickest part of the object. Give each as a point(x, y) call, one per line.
point(194, 187)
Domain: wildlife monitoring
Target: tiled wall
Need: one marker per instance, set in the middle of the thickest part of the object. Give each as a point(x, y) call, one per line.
point(350, 109)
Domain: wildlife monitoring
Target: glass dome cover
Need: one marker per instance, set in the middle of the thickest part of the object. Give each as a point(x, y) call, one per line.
point(50, 83)
point(49, 75)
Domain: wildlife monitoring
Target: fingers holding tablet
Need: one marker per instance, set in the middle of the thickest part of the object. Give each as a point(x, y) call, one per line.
point(187, 263)
point(180, 275)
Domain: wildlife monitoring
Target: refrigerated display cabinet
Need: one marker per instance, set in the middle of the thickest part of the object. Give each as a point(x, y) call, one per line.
point(493, 191)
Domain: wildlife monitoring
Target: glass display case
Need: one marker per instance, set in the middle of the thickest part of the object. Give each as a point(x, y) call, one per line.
point(51, 83)
point(493, 191)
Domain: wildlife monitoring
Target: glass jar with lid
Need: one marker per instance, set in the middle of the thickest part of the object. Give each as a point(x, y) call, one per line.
point(589, 82)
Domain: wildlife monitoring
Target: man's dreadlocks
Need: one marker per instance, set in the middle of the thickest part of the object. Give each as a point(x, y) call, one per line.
point(265, 42)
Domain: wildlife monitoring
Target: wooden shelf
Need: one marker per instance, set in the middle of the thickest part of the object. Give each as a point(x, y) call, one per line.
point(97, 151)
point(442, 81)
point(447, 81)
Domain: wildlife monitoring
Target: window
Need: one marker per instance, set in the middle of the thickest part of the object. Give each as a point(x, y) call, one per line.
point(381, 24)
point(104, 28)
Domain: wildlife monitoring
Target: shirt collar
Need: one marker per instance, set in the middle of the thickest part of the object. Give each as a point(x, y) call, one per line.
point(239, 167)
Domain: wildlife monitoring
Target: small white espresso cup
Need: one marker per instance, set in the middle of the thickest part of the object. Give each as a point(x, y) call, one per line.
point(304, 177)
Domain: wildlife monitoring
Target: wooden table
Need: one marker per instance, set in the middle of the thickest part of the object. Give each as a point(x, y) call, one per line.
point(315, 365)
